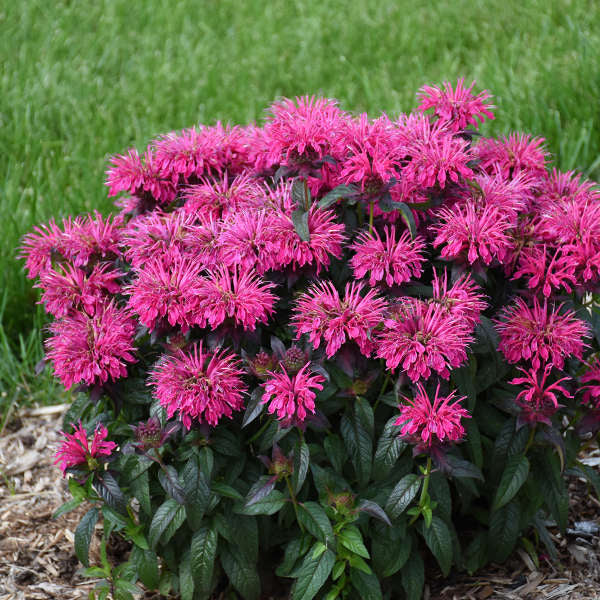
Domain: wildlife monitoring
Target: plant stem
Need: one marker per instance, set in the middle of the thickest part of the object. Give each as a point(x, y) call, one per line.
point(384, 385)
point(425, 482)
point(530, 440)
point(260, 431)
point(294, 501)
point(371, 217)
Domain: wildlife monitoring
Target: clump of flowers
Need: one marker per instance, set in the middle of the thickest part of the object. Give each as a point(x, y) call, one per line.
point(277, 289)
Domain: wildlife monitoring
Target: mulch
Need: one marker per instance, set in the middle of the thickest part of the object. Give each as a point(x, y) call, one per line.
point(37, 559)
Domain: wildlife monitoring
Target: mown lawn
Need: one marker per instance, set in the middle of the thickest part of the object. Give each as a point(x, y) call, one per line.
point(82, 80)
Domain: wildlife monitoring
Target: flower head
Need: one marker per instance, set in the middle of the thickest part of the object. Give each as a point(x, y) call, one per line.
point(591, 394)
point(322, 314)
point(540, 334)
point(199, 385)
point(462, 300)
point(92, 348)
point(431, 423)
point(422, 338)
point(457, 108)
point(538, 400)
point(391, 260)
point(292, 397)
point(75, 450)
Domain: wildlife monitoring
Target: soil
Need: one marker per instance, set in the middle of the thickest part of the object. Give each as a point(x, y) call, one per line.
point(37, 559)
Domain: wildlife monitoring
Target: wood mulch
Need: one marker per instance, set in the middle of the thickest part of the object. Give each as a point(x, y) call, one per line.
point(37, 560)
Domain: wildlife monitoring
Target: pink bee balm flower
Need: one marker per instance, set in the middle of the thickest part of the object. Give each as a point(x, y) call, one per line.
point(166, 291)
point(71, 288)
point(292, 397)
point(94, 238)
point(591, 394)
point(76, 449)
point(472, 232)
point(388, 259)
point(41, 248)
point(238, 294)
point(129, 173)
point(462, 300)
point(322, 314)
point(199, 385)
point(512, 155)
point(325, 238)
point(547, 270)
point(422, 338)
point(457, 108)
point(538, 400)
point(92, 349)
point(432, 423)
point(540, 334)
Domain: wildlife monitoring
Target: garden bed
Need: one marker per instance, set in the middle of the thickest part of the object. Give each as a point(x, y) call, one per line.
point(37, 559)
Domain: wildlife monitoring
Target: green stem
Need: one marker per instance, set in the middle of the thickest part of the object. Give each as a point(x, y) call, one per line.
point(424, 489)
point(530, 440)
point(384, 385)
point(260, 431)
point(294, 501)
point(371, 217)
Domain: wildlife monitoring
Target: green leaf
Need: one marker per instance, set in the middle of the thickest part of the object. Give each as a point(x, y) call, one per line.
point(77, 490)
point(241, 573)
point(463, 469)
point(514, 476)
point(293, 551)
point(269, 505)
point(196, 492)
point(300, 193)
point(440, 492)
point(108, 489)
point(314, 519)
point(301, 463)
point(174, 525)
point(413, 577)
point(112, 517)
point(312, 575)
point(341, 191)
point(335, 450)
point(140, 488)
point(389, 448)
point(66, 507)
point(402, 495)
point(504, 531)
point(367, 585)
point(260, 489)
point(390, 549)
point(351, 538)
point(254, 408)
point(225, 490)
point(245, 534)
point(83, 535)
point(186, 578)
point(163, 517)
point(203, 550)
point(476, 553)
point(439, 541)
point(300, 221)
point(146, 563)
point(357, 431)
point(373, 509)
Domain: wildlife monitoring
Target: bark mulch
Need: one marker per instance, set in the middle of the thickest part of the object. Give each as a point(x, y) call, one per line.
point(37, 560)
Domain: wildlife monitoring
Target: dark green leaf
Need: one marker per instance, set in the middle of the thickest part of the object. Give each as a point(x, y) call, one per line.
point(475, 555)
point(169, 480)
point(544, 534)
point(146, 563)
point(112, 517)
point(402, 495)
point(439, 541)
point(196, 492)
point(413, 576)
point(260, 489)
point(108, 489)
point(341, 191)
point(293, 551)
point(203, 551)
point(241, 573)
point(373, 509)
point(300, 221)
point(186, 578)
point(313, 518)
point(458, 467)
point(336, 453)
point(140, 488)
point(514, 476)
point(390, 549)
point(163, 517)
point(440, 492)
point(226, 442)
point(367, 585)
point(83, 535)
point(174, 525)
point(301, 462)
point(66, 507)
point(254, 407)
point(299, 193)
point(389, 448)
point(504, 531)
point(312, 575)
point(268, 505)
point(357, 431)
point(225, 490)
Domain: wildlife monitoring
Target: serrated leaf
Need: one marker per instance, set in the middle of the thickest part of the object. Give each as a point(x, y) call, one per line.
point(312, 575)
point(146, 563)
point(390, 550)
point(458, 467)
point(300, 221)
point(389, 448)
point(186, 579)
point(367, 585)
point(504, 530)
point(66, 507)
point(373, 509)
point(314, 519)
point(108, 489)
point(336, 453)
point(140, 488)
point(301, 463)
point(341, 191)
point(357, 431)
point(261, 489)
point(163, 517)
point(203, 550)
point(268, 505)
point(169, 480)
point(351, 538)
point(439, 541)
point(83, 535)
point(196, 492)
point(514, 476)
point(225, 490)
point(402, 495)
point(413, 577)
point(293, 551)
point(254, 408)
point(241, 573)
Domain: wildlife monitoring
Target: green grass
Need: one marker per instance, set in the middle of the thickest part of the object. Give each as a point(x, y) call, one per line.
point(82, 80)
